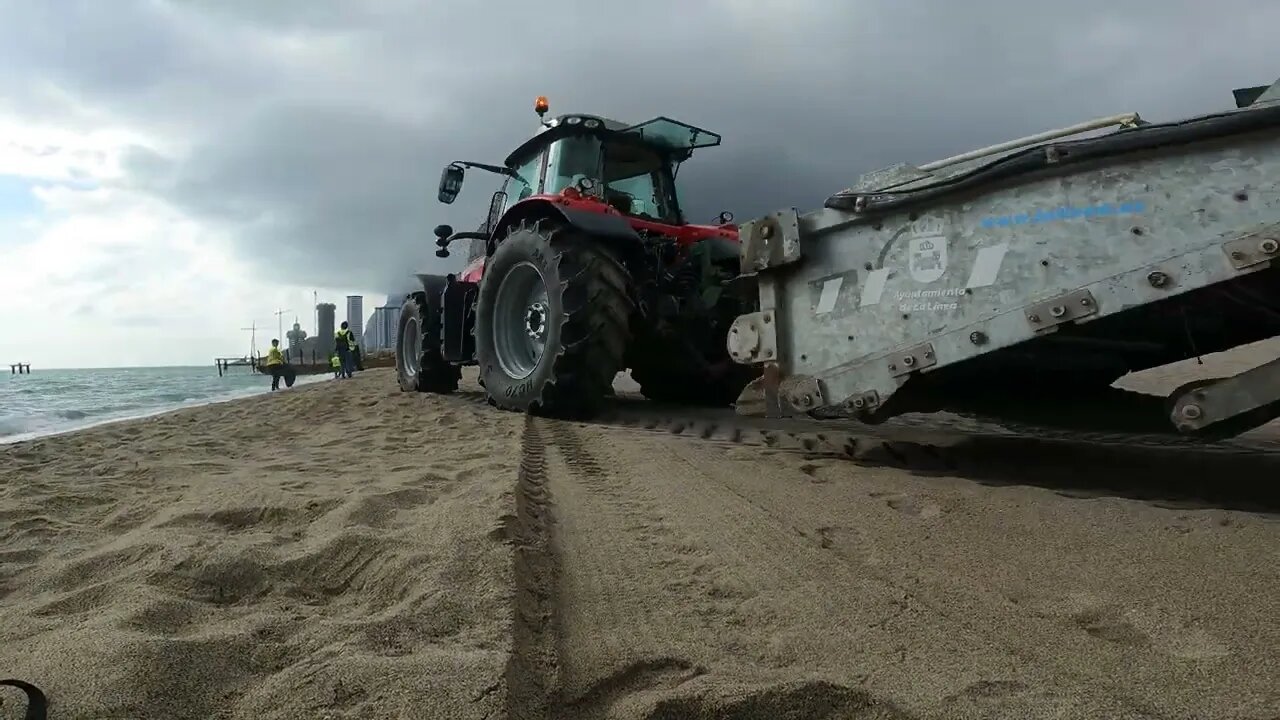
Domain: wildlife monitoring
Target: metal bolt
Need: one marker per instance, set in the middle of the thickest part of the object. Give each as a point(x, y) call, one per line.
point(1158, 279)
point(1268, 246)
point(978, 338)
point(1084, 302)
point(1033, 318)
point(859, 403)
point(1237, 255)
point(1191, 412)
point(908, 361)
point(1057, 311)
point(808, 399)
point(892, 366)
point(928, 354)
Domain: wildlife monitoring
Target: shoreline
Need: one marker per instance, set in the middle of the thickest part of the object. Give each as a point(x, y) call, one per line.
point(231, 396)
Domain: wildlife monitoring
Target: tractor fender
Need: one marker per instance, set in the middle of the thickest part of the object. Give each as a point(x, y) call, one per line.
point(449, 302)
point(432, 285)
point(611, 228)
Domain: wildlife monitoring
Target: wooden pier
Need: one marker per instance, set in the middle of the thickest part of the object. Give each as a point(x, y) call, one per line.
point(20, 368)
point(225, 363)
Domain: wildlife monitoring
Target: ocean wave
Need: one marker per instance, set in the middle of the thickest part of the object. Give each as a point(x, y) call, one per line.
point(53, 402)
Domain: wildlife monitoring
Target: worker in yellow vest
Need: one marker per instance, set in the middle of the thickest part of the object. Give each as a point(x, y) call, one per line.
point(275, 364)
point(336, 364)
point(344, 343)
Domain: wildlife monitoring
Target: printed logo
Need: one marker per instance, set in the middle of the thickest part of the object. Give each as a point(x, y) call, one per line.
point(927, 251)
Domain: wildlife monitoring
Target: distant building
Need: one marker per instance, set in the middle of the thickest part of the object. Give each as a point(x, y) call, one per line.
point(381, 329)
point(325, 322)
point(314, 348)
point(355, 317)
point(391, 322)
point(296, 336)
point(384, 323)
point(373, 339)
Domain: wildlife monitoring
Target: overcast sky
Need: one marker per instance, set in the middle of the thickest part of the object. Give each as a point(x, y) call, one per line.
point(173, 170)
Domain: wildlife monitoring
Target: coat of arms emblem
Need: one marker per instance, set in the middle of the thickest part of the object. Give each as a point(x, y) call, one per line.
point(927, 251)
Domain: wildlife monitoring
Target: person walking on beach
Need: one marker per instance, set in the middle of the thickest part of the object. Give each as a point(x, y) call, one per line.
point(275, 364)
point(344, 341)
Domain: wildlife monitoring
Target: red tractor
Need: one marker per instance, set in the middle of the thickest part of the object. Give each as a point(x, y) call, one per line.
point(585, 266)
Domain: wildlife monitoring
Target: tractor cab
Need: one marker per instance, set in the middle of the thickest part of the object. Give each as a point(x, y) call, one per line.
point(630, 168)
point(594, 160)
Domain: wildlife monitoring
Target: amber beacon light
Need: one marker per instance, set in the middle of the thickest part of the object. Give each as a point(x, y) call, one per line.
point(540, 105)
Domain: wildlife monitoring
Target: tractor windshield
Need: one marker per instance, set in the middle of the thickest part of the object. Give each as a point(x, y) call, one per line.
point(636, 178)
point(571, 159)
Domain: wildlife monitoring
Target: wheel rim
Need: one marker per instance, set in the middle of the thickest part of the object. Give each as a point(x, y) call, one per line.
point(520, 319)
point(410, 342)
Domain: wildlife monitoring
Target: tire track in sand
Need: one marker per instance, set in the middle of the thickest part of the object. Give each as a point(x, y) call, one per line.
point(649, 616)
point(531, 670)
point(597, 576)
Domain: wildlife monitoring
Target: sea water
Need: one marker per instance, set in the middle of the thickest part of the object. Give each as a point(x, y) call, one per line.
point(47, 402)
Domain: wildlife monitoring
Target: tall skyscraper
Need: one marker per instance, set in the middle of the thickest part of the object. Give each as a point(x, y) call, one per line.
point(373, 339)
point(326, 329)
point(392, 318)
point(386, 318)
point(355, 317)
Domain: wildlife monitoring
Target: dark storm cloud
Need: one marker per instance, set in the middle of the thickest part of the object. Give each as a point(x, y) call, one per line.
point(324, 167)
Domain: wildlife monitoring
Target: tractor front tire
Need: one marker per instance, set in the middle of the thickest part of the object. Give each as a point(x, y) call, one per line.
point(419, 365)
point(552, 322)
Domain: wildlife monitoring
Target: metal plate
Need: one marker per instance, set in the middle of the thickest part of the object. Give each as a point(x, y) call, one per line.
point(771, 241)
point(1062, 309)
point(802, 393)
point(753, 338)
point(1251, 250)
point(913, 359)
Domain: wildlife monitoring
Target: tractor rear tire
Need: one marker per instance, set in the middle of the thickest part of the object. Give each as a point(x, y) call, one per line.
point(552, 322)
point(419, 365)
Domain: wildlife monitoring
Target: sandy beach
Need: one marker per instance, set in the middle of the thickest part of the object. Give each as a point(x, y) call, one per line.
point(344, 550)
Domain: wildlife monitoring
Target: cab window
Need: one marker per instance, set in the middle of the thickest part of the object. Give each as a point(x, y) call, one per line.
point(635, 181)
point(526, 181)
point(569, 160)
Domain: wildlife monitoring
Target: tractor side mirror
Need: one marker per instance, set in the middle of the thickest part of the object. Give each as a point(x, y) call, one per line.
point(442, 233)
point(725, 217)
point(450, 183)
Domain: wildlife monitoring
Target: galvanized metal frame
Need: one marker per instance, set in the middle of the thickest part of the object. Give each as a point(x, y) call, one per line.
point(847, 316)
